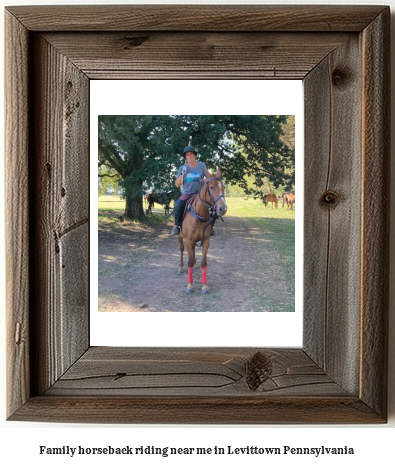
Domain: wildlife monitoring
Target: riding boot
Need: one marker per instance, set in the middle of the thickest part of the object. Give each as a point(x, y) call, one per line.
point(178, 213)
point(176, 229)
point(177, 225)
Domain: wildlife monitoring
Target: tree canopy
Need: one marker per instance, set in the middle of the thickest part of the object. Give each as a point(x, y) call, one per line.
point(146, 151)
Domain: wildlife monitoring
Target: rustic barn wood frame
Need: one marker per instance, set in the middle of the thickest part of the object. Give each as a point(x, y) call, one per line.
point(340, 374)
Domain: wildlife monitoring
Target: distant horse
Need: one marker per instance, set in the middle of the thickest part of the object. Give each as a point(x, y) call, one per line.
point(163, 198)
point(200, 214)
point(270, 198)
point(289, 198)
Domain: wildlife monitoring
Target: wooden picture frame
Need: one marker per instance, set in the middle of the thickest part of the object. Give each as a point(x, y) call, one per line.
point(340, 374)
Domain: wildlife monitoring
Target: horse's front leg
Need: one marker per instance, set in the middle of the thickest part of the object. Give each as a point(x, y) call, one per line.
point(205, 246)
point(181, 267)
point(190, 250)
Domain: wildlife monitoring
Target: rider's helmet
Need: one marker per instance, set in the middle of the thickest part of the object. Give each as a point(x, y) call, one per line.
point(189, 148)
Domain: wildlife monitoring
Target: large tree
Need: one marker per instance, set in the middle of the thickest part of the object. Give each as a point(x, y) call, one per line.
point(146, 151)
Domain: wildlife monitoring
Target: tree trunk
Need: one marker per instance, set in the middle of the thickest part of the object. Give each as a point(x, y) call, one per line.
point(134, 207)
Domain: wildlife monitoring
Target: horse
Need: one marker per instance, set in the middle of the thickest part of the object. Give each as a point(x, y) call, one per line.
point(270, 198)
point(146, 196)
point(289, 198)
point(291, 201)
point(199, 216)
point(163, 198)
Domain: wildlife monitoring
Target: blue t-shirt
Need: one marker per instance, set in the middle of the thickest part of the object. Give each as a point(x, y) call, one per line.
point(192, 177)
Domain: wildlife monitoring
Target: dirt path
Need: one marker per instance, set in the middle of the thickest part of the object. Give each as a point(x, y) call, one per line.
point(138, 271)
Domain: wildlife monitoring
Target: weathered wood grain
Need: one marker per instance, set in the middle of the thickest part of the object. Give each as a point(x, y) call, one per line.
point(175, 372)
point(375, 211)
point(60, 197)
point(332, 220)
point(339, 376)
point(194, 386)
point(317, 115)
point(17, 213)
point(196, 17)
point(198, 410)
point(196, 55)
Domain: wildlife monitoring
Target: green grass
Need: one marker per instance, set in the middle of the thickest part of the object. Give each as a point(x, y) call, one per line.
point(278, 226)
point(254, 208)
point(111, 204)
point(237, 207)
point(282, 234)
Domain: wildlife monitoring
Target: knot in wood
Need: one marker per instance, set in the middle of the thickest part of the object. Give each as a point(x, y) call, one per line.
point(339, 77)
point(330, 199)
point(133, 41)
point(259, 369)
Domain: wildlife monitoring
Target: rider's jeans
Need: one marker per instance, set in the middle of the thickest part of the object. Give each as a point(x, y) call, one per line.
point(178, 211)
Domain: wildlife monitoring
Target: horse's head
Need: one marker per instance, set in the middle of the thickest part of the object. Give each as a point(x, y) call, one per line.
point(214, 194)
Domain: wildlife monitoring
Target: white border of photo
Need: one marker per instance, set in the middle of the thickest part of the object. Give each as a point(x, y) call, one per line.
point(203, 329)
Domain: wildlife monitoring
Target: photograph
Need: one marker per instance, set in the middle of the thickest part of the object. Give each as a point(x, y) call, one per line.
point(196, 204)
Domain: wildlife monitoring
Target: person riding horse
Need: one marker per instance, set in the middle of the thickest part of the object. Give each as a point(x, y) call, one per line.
point(188, 177)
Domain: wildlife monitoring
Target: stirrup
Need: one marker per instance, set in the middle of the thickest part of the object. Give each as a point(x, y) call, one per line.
point(175, 230)
point(213, 232)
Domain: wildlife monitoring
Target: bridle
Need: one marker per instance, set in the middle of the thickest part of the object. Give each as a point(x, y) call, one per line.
point(213, 201)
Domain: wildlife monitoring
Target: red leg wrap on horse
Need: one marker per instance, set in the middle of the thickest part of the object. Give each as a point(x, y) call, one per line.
point(190, 274)
point(204, 275)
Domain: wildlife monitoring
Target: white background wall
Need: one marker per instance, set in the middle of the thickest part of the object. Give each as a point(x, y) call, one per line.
point(19, 442)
